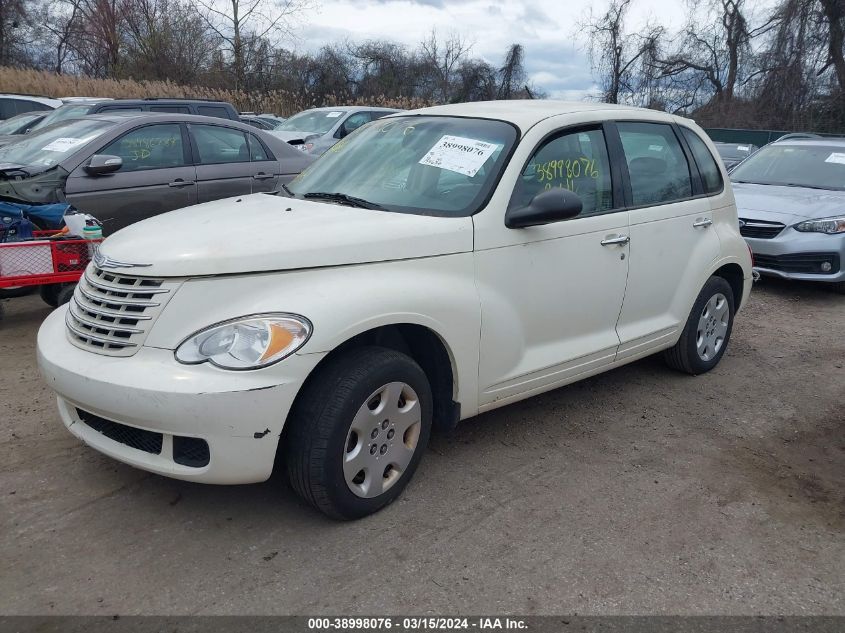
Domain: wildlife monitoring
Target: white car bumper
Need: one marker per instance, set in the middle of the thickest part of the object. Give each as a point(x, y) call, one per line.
point(154, 413)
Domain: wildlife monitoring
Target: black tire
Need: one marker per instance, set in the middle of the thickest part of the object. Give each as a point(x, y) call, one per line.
point(50, 294)
point(684, 356)
point(11, 293)
point(64, 295)
point(318, 428)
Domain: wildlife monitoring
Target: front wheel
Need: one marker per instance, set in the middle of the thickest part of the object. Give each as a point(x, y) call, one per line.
point(707, 331)
point(358, 431)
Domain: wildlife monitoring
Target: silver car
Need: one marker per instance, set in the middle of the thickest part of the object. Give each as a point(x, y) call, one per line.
point(791, 201)
point(314, 131)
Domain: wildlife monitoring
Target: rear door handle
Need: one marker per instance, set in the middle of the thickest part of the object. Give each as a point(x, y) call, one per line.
point(619, 239)
point(180, 183)
point(702, 223)
point(263, 176)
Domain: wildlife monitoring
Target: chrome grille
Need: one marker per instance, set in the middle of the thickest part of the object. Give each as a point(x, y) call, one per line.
point(112, 313)
point(760, 229)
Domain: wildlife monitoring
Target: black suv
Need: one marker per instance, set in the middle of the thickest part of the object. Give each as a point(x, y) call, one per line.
point(205, 107)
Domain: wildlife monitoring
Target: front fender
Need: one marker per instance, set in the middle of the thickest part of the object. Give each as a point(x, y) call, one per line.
point(341, 302)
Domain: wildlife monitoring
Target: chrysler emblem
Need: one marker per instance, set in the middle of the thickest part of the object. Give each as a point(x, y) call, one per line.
point(104, 261)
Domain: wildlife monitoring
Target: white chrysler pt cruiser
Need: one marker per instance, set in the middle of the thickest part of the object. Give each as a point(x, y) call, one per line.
point(433, 265)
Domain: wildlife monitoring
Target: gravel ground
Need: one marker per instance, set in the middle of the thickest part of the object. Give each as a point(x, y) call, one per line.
point(639, 491)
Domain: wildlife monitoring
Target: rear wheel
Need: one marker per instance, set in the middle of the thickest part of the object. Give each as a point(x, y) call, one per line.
point(358, 431)
point(707, 331)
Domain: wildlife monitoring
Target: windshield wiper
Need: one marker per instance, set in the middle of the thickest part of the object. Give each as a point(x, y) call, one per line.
point(342, 198)
point(287, 190)
point(795, 184)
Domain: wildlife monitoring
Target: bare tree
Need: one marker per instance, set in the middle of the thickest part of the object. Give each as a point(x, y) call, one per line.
point(443, 57)
point(236, 21)
point(617, 56)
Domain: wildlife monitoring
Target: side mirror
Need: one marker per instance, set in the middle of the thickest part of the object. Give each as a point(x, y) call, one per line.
point(102, 164)
point(552, 205)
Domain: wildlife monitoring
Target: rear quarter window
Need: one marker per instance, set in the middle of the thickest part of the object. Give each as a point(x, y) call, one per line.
point(217, 111)
point(711, 175)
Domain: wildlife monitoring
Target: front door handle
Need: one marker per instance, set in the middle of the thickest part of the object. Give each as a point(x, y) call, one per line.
point(180, 183)
point(263, 176)
point(702, 223)
point(619, 239)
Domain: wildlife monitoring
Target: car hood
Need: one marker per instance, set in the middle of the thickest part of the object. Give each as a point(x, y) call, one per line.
point(287, 137)
point(786, 204)
point(262, 232)
point(7, 139)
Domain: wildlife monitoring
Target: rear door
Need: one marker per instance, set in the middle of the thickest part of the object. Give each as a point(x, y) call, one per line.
point(265, 169)
point(223, 163)
point(672, 242)
point(156, 176)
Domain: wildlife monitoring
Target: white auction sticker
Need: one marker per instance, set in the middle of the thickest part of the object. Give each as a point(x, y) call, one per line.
point(63, 144)
point(836, 157)
point(456, 153)
point(743, 148)
point(333, 115)
point(655, 148)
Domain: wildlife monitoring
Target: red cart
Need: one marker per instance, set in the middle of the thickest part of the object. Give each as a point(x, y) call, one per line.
point(47, 260)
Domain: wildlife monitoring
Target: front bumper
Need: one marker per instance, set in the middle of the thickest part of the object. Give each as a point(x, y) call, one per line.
point(240, 415)
point(796, 255)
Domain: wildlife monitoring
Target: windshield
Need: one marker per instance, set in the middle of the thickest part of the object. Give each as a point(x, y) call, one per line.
point(427, 165)
point(11, 126)
point(64, 112)
point(51, 145)
point(312, 121)
point(814, 166)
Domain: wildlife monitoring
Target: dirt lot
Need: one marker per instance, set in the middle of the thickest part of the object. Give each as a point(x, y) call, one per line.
point(639, 491)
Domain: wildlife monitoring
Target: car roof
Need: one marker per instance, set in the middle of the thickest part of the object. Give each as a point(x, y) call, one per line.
point(527, 112)
point(37, 98)
point(120, 117)
point(352, 109)
point(811, 142)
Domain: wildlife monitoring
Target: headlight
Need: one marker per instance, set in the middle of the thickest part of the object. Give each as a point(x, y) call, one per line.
point(825, 225)
point(249, 342)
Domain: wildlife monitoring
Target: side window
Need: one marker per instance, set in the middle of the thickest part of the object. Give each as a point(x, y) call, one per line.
point(356, 120)
point(24, 106)
point(217, 144)
point(149, 147)
point(219, 111)
point(7, 108)
point(119, 109)
point(707, 167)
point(177, 109)
point(577, 161)
point(656, 163)
point(256, 149)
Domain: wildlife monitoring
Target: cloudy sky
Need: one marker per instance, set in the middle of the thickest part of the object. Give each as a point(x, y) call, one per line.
point(556, 58)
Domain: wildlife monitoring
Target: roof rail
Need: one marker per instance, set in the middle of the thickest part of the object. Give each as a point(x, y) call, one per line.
point(178, 99)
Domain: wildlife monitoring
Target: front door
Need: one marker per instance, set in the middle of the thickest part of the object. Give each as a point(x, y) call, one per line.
point(156, 176)
point(550, 295)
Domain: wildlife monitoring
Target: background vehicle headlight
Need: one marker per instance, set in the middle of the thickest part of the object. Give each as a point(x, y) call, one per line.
point(825, 225)
point(246, 343)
